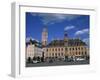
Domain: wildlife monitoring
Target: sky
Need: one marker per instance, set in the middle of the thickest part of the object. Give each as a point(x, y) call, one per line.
point(76, 26)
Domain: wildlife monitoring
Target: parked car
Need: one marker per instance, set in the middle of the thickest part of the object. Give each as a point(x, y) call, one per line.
point(80, 59)
point(50, 61)
point(35, 61)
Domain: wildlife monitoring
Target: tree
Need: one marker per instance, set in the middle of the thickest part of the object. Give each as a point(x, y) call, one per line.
point(38, 58)
point(29, 59)
point(34, 58)
point(87, 57)
point(66, 58)
point(42, 59)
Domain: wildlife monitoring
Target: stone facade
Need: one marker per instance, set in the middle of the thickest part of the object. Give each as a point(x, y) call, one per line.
point(33, 49)
point(57, 49)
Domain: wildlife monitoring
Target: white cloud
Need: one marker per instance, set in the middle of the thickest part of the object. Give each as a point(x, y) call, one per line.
point(51, 18)
point(83, 31)
point(86, 40)
point(28, 39)
point(34, 14)
point(69, 27)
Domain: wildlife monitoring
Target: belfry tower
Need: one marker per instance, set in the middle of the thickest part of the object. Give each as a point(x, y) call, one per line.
point(65, 38)
point(44, 36)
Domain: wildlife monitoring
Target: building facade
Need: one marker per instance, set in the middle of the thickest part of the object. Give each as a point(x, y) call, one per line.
point(56, 49)
point(70, 48)
point(33, 49)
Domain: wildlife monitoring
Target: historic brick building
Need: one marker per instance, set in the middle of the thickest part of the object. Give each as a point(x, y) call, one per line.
point(60, 49)
point(56, 49)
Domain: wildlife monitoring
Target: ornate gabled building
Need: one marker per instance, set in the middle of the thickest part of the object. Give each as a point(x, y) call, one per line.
point(59, 49)
point(56, 49)
point(33, 49)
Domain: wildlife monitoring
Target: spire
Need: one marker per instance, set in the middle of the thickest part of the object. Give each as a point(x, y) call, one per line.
point(65, 38)
point(45, 29)
point(65, 35)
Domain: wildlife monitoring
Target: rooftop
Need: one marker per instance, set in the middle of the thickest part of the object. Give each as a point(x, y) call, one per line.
point(58, 43)
point(70, 42)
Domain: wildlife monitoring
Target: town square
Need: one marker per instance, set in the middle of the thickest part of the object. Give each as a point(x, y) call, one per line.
point(54, 39)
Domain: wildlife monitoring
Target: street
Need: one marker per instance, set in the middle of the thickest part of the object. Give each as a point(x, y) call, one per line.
point(57, 63)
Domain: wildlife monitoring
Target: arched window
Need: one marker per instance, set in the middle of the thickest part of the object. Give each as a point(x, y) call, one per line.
point(62, 49)
point(55, 54)
point(56, 49)
point(61, 54)
point(52, 49)
point(52, 54)
point(47, 49)
point(85, 52)
point(81, 48)
point(79, 53)
point(76, 53)
point(66, 49)
point(82, 53)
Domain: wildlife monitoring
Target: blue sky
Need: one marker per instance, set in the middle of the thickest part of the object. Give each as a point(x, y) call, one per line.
point(76, 26)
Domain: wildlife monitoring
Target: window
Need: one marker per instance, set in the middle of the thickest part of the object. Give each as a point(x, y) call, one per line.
point(47, 49)
point(55, 49)
point(76, 53)
point(52, 49)
point(66, 49)
point(79, 53)
point(82, 53)
point(52, 54)
point(85, 52)
point(76, 48)
point(73, 48)
point(62, 54)
point(62, 49)
point(81, 48)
